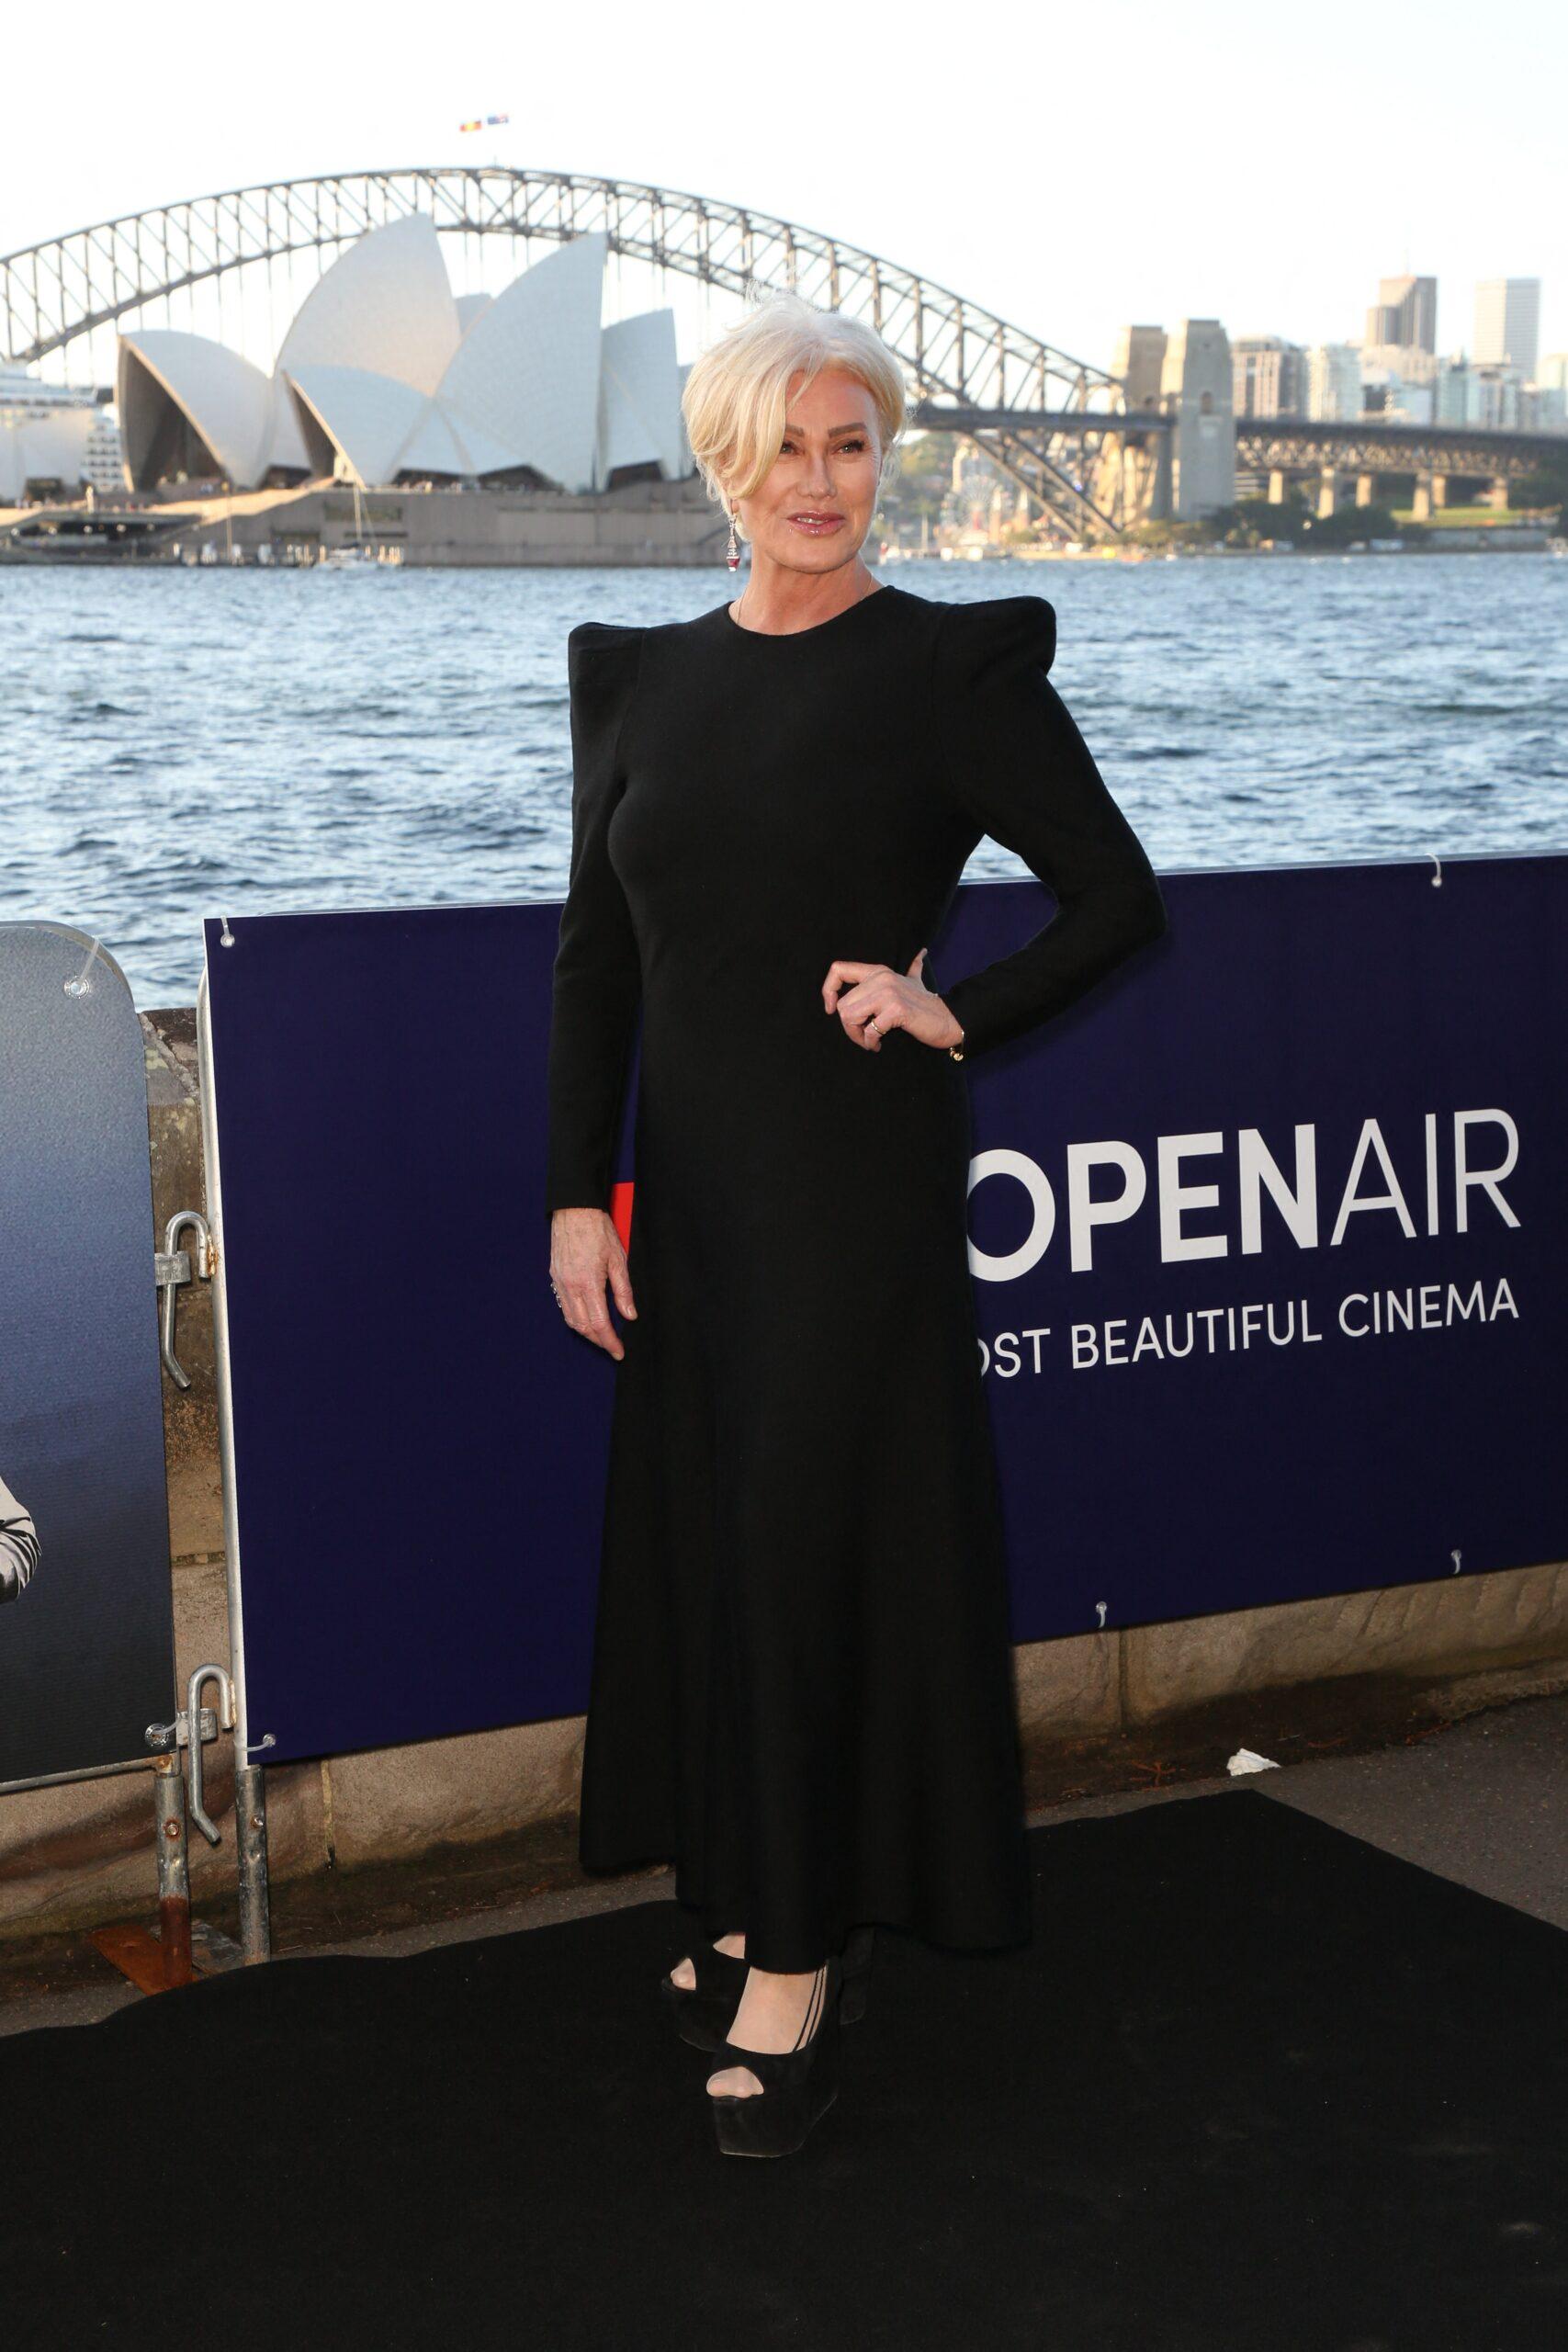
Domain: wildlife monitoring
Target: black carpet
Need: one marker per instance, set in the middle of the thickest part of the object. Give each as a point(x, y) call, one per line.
point(1255, 2087)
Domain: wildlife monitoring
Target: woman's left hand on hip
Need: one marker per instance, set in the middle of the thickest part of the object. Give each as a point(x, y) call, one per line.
point(872, 998)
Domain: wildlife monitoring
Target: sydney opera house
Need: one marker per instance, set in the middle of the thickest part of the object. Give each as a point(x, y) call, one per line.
point(387, 377)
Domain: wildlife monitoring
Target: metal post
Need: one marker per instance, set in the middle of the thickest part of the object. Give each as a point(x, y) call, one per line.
point(173, 1869)
point(250, 1833)
point(250, 1801)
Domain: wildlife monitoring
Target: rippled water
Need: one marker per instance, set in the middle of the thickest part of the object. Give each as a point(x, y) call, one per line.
point(187, 742)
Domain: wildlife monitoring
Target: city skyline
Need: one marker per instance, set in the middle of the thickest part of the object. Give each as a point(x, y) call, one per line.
point(855, 136)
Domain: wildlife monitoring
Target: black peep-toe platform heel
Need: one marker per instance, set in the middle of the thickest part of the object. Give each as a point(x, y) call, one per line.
point(705, 2012)
point(799, 2086)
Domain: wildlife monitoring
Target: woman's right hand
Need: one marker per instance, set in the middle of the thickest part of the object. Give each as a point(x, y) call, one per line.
point(585, 1253)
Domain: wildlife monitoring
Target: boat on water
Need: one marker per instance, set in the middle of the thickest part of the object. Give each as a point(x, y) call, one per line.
point(363, 549)
point(93, 534)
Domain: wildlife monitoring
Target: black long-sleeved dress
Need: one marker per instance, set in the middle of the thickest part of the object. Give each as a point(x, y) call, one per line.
point(801, 1689)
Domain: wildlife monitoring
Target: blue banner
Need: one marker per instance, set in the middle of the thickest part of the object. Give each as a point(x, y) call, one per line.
point(1270, 1243)
point(1268, 1238)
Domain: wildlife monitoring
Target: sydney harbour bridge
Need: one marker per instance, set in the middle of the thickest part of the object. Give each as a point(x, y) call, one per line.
point(1096, 451)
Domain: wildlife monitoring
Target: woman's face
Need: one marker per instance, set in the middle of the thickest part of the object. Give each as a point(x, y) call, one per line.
point(815, 504)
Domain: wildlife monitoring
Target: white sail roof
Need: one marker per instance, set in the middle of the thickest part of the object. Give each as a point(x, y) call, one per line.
point(287, 443)
point(366, 417)
point(228, 401)
point(525, 376)
point(442, 444)
point(385, 306)
point(432, 447)
point(383, 372)
point(639, 395)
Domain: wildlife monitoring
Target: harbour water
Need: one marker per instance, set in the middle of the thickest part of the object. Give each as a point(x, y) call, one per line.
point(191, 742)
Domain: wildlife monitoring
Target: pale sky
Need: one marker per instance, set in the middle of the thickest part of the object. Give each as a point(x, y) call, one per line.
point(1072, 169)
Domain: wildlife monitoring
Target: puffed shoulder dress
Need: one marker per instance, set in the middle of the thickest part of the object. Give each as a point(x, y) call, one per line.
point(801, 1690)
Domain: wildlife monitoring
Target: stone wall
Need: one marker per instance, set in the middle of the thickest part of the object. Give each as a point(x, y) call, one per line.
point(641, 523)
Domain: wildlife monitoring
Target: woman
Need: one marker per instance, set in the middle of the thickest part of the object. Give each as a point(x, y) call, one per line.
point(801, 1690)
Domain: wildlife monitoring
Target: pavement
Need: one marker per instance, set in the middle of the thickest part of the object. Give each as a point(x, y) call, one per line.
point(1482, 1799)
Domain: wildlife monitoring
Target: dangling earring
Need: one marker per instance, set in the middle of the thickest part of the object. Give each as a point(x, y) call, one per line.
point(734, 544)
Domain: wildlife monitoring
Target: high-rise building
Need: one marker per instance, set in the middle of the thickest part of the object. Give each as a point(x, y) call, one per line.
point(1334, 383)
point(1405, 312)
point(1507, 325)
point(1399, 383)
point(1271, 376)
point(1551, 398)
point(1489, 397)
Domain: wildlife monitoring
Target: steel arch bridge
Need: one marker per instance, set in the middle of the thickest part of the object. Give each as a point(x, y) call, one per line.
point(958, 357)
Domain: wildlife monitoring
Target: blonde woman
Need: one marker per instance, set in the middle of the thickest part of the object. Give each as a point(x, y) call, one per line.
point(801, 1690)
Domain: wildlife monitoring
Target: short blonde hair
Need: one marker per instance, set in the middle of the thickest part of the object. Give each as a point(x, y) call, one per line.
point(736, 390)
